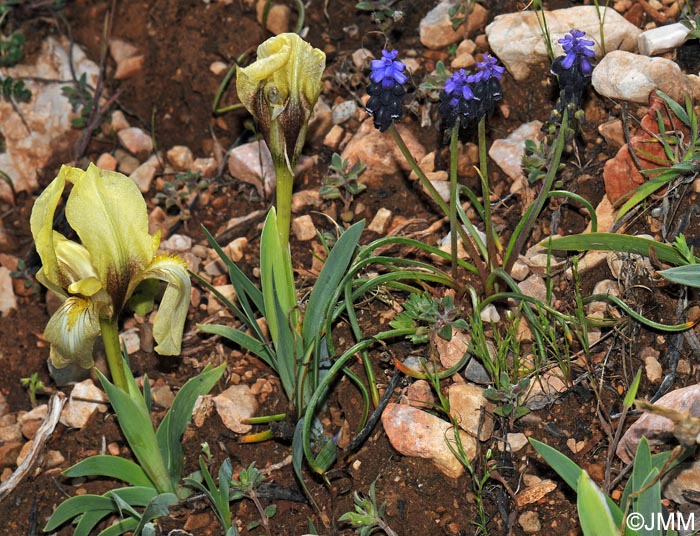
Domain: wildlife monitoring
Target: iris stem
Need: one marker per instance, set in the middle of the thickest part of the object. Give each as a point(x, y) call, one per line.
point(285, 184)
point(110, 337)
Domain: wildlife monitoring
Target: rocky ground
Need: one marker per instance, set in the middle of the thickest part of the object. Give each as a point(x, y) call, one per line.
point(144, 108)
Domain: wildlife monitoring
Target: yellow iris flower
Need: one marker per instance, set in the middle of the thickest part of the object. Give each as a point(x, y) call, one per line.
point(280, 90)
point(96, 277)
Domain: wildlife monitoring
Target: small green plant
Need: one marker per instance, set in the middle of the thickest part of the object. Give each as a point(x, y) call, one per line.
point(368, 518)
point(690, 21)
point(478, 482)
point(81, 100)
point(178, 192)
point(342, 183)
point(33, 385)
point(509, 396)
point(429, 316)
point(154, 482)
point(459, 11)
point(682, 155)
point(382, 11)
point(246, 485)
point(15, 90)
point(11, 49)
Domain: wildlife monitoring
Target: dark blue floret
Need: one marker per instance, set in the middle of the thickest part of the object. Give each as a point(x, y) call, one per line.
point(574, 69)
point(386, 90)
point(471, 97)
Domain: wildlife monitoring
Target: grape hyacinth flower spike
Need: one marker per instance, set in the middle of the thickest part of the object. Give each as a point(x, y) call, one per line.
point(457, 100)
point(386, 89)
point(486, 85)
point(574, 68)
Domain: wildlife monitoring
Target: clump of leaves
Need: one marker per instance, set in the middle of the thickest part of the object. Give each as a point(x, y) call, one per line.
point(246, 485)
point(459, 11)
point(536, 159)
point(509, 396)
point(15, 90)
point(342, 183)
point(383, 12)
point(81, 100)
point(178, 192)
point(11, 49)
point(368, 518)
point(690, 21)
point(435, 81)
point(429, 315)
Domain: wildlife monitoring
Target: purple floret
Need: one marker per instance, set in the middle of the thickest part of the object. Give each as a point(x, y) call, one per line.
point(387, 70)
point(487, 68)
point(577, 49)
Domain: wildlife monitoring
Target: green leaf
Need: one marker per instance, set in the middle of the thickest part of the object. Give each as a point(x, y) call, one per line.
point(276, 277)
point(643, 191)
point(111, 467)
point(616, 242)
point(120, 527)
point(334, 269)
point(178, 417)
point(76, 506)
point(593, 511)
point(136, 425)
point(632, 392)
point(688, 275)
point(242, 339)
point(676, 108)
point(571, 473)
point(159, 506)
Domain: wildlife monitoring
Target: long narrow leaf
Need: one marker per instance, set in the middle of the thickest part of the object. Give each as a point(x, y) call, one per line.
point(112, 467)
point(593, 511)
point(75, 506)
point(616, 242)
point(243, 340)
point(328, 280)
point(688, 275)
point(135, 422)
point(643, 191)
point(120, 527)
point(276, 277)
point(571, 473)
point(178, 417)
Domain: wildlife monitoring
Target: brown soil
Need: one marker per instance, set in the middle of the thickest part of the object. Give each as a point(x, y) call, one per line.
point(173, 99)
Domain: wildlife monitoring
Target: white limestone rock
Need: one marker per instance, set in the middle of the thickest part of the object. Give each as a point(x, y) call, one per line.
point(44, 127)
point(516, 40)
point(508, 153)
point(632, 77)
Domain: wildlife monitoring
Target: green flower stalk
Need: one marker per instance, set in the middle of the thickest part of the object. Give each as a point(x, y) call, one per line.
point(97, 276)
point(280, 90)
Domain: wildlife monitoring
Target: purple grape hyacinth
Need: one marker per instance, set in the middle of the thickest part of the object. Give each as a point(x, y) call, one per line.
point(470, 97)
point(387, 70)
point(577, 51)
point(487, 68)
point(386, 89)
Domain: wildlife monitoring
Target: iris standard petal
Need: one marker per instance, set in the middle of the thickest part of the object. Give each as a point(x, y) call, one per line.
point(72, 331)
point(108, 212)
point(172, 311)
point(41, 223)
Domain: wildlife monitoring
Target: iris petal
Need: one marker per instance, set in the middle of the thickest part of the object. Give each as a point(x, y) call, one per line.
point(72, 331)
point(109, 214)
point(172, 311)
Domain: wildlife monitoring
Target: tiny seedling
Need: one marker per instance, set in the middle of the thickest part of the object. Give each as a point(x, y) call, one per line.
point(33, 385)
point(246, 485)
point(459, 11)
point(81, 100)
point(429, 316)
point(178, 193)
point(342, 183)
point(383, 12)
point(368, 518)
